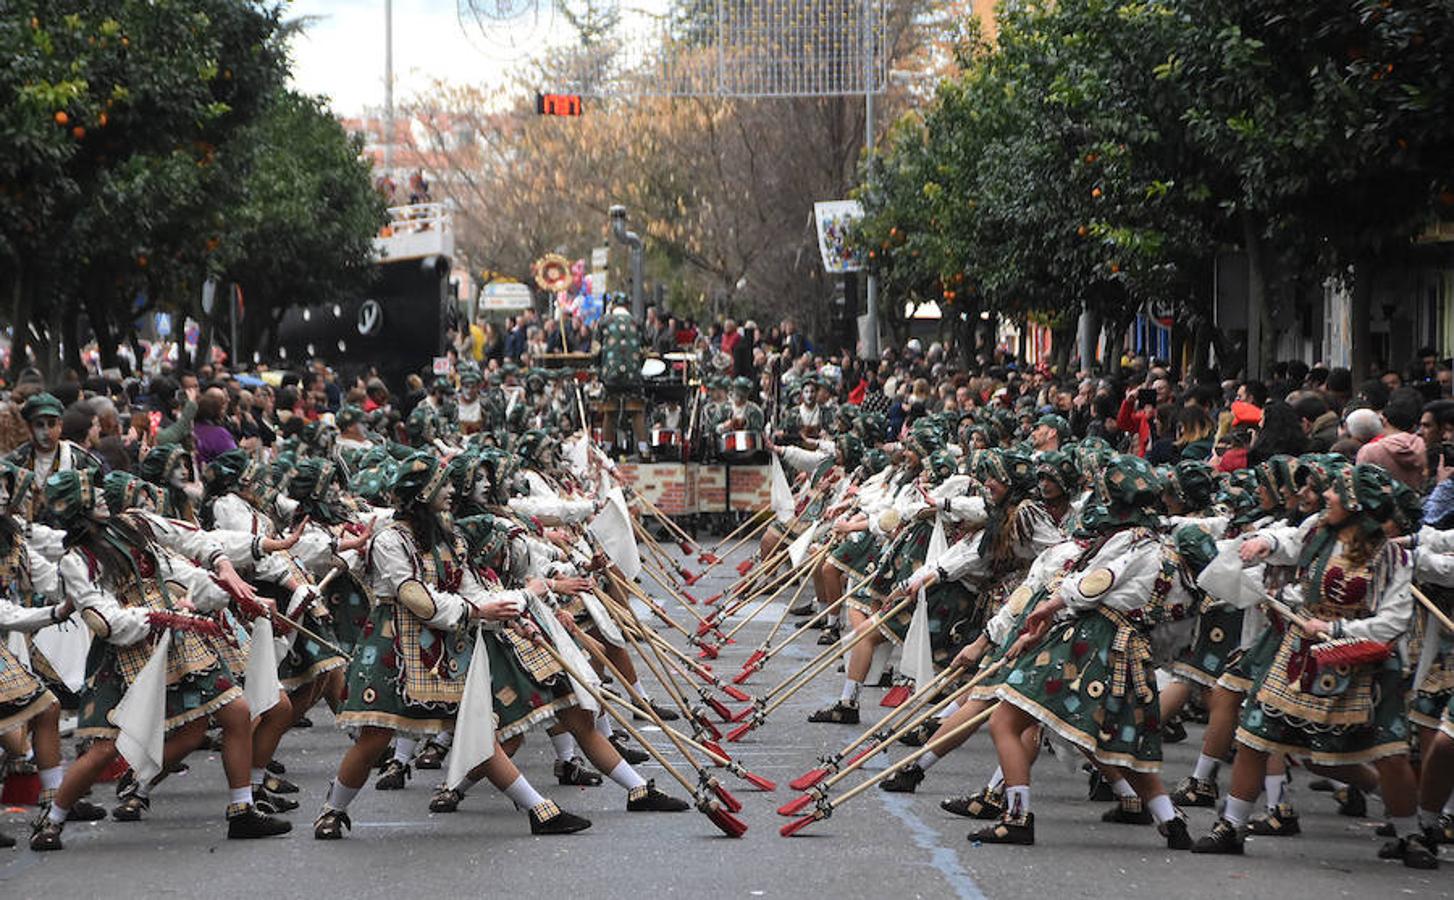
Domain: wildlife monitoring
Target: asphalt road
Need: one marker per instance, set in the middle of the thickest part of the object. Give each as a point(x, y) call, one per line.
point(880, 845)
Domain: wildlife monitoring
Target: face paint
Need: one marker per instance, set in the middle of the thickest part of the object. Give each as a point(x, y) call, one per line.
point(100, 512)
point(41, 433)
point(480, 490)
point(444, 498)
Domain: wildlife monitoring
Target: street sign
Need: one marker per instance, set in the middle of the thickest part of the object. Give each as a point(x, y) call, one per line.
point(500, 296)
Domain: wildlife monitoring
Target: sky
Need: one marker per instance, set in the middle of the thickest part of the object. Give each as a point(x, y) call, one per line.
point(341, 55)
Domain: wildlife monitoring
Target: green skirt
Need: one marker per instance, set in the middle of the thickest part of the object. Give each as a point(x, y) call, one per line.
point(1246, 667)
point(307, 658)
point(520, 701)
point(349, 606)
point(1067, 682)
point(374, 686)
point(1219, 634)
point(856, 552)
point(194, 696)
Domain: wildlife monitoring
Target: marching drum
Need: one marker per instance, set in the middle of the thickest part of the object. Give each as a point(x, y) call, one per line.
point(665, 438)
point(741, 443)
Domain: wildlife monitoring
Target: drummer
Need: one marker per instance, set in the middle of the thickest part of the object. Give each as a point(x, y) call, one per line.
point(806, 421)
point(667, 416)
point(741, 417)
point(714, 410)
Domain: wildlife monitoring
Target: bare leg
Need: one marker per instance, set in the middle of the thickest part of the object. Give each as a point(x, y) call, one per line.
point(269, 731)
point(235, 719)
point(1007, 727)
point(1438, 774)
point(45, 737)
point(1173, 698)
point(354, 768)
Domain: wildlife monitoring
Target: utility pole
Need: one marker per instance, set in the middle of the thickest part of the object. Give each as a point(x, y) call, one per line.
point(388, 87)
point(870, 344)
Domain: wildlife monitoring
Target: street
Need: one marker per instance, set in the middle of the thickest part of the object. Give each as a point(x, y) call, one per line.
point(879, 845)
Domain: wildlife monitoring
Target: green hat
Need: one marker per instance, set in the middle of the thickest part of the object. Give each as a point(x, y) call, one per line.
point(469, 372)
point(1318, 470)
point(1239, 494)
point(1195, 546)
point(486, 536)
point(875, 460)
point(1366, 490)
point(161, 460)
point(230, 470)
point(1192, 481)
point(42, 404)
point(1058, 466)
point(20, 481)
point(443, 384)
point(312, 478)
point(532, 444)
point(1013, 469)
point(419, 479)
point(941, 464)
point(347, 416)
point(1277, 474)
point(742, 383)
point(462, 471)
point(70, 496)
point(373, 483)
point(1408, 508)
point(924, 438)
point(872, 427)
point(852, 449)
point(1062, 427)
point(123, 490)
point(1128, 483)
point(420, 426)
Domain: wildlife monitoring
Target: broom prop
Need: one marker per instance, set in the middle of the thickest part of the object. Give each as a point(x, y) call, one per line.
point(876, 734)
point(662, 579)
point(281, 623)
point(709, 650)
point(1434, 610)
point(683, 660)
point(710, 557)
point(756, 714)
point(664, 560)
point(765, 652)
point(770, 587)
point(703, 628)
point(825, 807)
point(711, 806)
point(679, 536)
point(1332, 652)
point(809, 564)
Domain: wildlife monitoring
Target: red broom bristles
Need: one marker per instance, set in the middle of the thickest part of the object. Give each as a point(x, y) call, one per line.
point(737, 733)
point(686, 547)
point(797, 825)
point(808, 779)
point(731, 802)
point(744, 567)
point(713, 599)
point(709, 651)
point(719, 708)
point(762, 783)
point(742, 713)
point(795, 806)
point(730, 825)
point(741, 677)
point(737, 694)
point(896, 696)
point(708, 559)
point(707, 727)
point(716, 748)
point(1349, 652)
point(690, 578)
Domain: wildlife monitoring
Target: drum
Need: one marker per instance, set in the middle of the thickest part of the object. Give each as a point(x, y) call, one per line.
point(598, 437)
point(653, 368)
point(741, 443)
point(664, 438)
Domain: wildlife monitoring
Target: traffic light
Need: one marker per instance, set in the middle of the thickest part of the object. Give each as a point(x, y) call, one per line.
point(558, 104)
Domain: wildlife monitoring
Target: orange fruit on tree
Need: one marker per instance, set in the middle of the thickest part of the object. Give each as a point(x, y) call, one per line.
point(1096, 193)
point(141, 261)
point(102, 120)
point(62, 118)
point(1082, 231)
point(78, 133)
point(1115, 268)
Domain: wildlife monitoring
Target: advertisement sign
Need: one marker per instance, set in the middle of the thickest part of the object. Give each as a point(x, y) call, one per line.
point(835, 222)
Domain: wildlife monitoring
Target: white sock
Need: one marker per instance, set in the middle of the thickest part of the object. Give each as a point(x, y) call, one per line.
point(404, 749)
point(1337, 785)
point(565, 746)
point(445, 738)
point(640, 689)
point(850, 691)
point(1161, 809)
point(1122, 788)
point(1206, 767)
point(143, 789)
point(1017, 799)
point(1237, 810)
point(57, 813)
point(1273, 785)
point(626, 776)
point(948, 711)
point(340, 796)
point(467, 785)
point(239, 795)
point(927, 761)
point(258, 775)
point(50, 779)
point(997, 780)
point(522, 794)
point(1449, 806)
point(604, 726)
point(1403, 826)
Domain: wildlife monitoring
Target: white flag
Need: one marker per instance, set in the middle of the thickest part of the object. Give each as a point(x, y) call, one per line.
point(579, 456)
point(782, 495)
point(1225, 578)
point(918, 657)
point(260, 683)
point(798, 549)
point(474, 726)
point(603, 620)
point(66, 646)
point(142, 713)
point(560, 639)
point(612, 527)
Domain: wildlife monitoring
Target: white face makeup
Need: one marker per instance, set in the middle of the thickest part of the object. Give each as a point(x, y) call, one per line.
point(444, 498)
point(100, 512)
point(480, 490)
point(44, 431)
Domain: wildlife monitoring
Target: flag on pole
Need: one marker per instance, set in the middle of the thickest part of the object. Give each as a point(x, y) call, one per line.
point(782, 495)
point(918, 656)
point(612, 527)
point(141, 715)
point(260, 683)
point(474, 725)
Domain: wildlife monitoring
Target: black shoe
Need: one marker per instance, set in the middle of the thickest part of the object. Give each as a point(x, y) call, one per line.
point(394, 776)
point(1223, 838)
point(1177, 837)
point(1417, 851)
point(1099, 789)
point(817, 624)
point(1127, 811)
point(1322, 786)
point(573, 773)
point(630, 754)
point(920, 734)
point(839, 713)
point(131, 807)
point(1195, 792)
point(648, 799)
point(547, 818)
point(431, 757)
point(1008, 830)
point(385, 757)
point(885, 679)
point(126, 783)
point(1351, 802)
point(1173, 732)
point(986, 804)
point(904, 781)
point(303, 722)
point(1443, 833)
point(829, 637)
point(1278, 822)
point(445, 800)
point(45, 835)
point(271, 804)
point(6, 841)
point(666, 715)
point(249, 824)
point(85, 811)
point(330, 824)
point(274, 784)
point(802, 609)
point(1387, 830)
point(276, 767)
